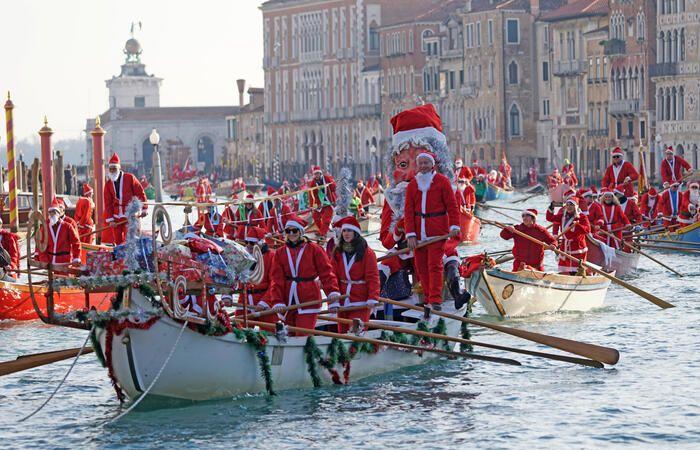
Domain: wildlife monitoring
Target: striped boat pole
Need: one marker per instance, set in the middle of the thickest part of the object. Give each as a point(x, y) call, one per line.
point(14, 223)
point(48, 190)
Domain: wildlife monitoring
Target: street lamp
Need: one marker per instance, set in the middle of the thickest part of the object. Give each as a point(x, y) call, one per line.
point(154, 139)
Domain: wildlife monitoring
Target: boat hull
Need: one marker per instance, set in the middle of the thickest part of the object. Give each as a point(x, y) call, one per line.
point(207, 367)
point(623, 263)
point(529, 292)
point(470, 227)
point(16, 302)
point(686, 238)
point(495, 193)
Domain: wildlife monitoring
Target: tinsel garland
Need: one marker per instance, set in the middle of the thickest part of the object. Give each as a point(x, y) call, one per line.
point(97, 347)
point(258, 340)
point(133, 242)
point(124, 280)
point(344, 193)
point(336, 354)
point(311, 354)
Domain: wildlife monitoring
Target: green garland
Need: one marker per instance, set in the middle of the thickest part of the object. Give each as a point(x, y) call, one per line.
point(336, 354)
point(312, 353)
point(466, 334)
point(258, 340)
point(97, 347)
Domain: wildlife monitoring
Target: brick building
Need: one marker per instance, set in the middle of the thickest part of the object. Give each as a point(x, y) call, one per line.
point(245, 138)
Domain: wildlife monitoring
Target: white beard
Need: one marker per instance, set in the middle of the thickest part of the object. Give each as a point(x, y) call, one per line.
point(424, 180)
point(694, 196)
point(53, 220)
point(113, 176)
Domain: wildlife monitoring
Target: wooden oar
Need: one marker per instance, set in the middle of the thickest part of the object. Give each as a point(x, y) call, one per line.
point(655, 231)
point(528, 197)
point(291, 307)
point(350, 337)
point(645, 295)
point(489, 206)
point(109, 225)
point(40, 359)
point(378, 326)
point(640, 251)
point(420, 244)
point(605, 355)
point(690, 245)
point(692, 251)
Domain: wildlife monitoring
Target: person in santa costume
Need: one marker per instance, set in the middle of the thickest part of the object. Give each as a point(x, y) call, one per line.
point(253, 294)
point(63, 242)
point(477, 169)
point(226, 227)
point(203, 190)
point(614, 220)
point(550, 214)
point(554, 179)
point(532, 176)
point(670, 203)
point(207, 220)
point(505, 171)
point(628, 205)
point(462, 172)
point(246, 217)
point(568, 170)
point(278, 214)
point(120, 189)
point(588, 206)
point(430, 210)
point(575, 227)
point(527, 254)
point(84, 208)
point(689, 204)
point(355, 266)
point(468, 194)
point(648, 205)
point(365, 195)
point(297, 268)
point(9, 241)
point(322, 199)
point(620, 172)
point(672, 167)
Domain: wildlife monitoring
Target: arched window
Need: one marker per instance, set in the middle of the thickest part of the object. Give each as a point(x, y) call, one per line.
point(424, 35)
point(513, 73)
point(514, 121)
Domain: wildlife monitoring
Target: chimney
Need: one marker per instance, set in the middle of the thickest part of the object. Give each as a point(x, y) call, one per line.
point(535, 7)
point(241, 89)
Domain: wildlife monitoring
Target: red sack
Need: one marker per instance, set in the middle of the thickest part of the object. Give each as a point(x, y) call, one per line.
point(201, 245)
point(471, 264)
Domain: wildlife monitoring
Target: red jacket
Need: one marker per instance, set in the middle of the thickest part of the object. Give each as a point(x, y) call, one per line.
point(329, 192)
point(275, 223)
point(573, 241)
point(670, 174)
point(226, 228)
point(615, 175)
point(363, 288)
point(526, 251)
point(614, 219)
point(432, 212)
point(83, 217)
point(469, 194)
point(252, 218)
point(10, 242)
point(631, 210)
point(203, 191)
point(117, 202)
point(63, 244)
point(669, 208)
point(254, 293)
point(464, 173)
point(365, 196)
point(648, 206)
point(297, 276)
point(569, 169)
point(594, 212)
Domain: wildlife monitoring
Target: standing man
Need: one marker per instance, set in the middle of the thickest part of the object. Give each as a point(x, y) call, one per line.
point(575, 228)
point(83, 215)
point(365, 195)
point(614, 219)
point(430, 210)
point(672, 167)
point(527, 254)
point(670, 203)
point(63, 243)
point(462, 172)
point(120, 189)
point(322, 199)
point(620, 172)
point(10, 242)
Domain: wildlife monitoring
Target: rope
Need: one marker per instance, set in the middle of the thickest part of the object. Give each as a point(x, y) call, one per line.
point(155, 379)
point(75, 360)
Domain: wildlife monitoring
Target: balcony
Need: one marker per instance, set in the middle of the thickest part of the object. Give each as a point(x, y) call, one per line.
point(613, 47)
point(569, 68)
point(663, 70)
point(368, 110)
point(301, 116)
point(627, 107)
point(598, 133)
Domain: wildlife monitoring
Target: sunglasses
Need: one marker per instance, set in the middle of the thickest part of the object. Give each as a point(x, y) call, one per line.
point(617, 156)
point(291, 231)
point(113, 169)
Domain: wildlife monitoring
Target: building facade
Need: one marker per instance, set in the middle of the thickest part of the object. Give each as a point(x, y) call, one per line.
point(245, 139)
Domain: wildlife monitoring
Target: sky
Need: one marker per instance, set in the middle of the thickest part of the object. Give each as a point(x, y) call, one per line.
point(57, 54)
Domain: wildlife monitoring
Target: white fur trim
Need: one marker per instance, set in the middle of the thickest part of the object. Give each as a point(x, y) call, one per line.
point(294, 224)
point(455, 227)
point(347, 226)
point(408, 235)
point(446, 259)
point(426, 156)
point(427, 132)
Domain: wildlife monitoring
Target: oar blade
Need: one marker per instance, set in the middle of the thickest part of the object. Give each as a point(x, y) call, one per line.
point(30, 361)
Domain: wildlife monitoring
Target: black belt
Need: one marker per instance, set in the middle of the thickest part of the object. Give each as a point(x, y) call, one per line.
point(437, 214)
point(257, 291)
point(59, 253)
point(299, 279)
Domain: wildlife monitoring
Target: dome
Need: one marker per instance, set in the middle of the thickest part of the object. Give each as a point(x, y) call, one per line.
point(132, 47)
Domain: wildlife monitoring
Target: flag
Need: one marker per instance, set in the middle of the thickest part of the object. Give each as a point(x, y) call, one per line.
point(642, 181)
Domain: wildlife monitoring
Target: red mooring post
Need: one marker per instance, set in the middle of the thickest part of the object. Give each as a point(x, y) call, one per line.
point(47, 191)
point(98, 168)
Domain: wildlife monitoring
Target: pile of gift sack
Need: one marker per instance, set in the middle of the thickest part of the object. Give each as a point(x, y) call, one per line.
point(197, 258)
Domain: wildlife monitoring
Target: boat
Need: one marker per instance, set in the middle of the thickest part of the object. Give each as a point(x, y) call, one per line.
point(16, 303)
point(556, 193)
point(623, 263)
point(470, 227)
point(494, 192)
point(684, 238)
point(205, 367)
point(506, 294)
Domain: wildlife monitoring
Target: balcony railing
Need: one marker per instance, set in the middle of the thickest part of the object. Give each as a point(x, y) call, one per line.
point(305, 115)
point(368, 110)
point(571, 67)
point(626, 107)
point(614, 47)
point(663, 69)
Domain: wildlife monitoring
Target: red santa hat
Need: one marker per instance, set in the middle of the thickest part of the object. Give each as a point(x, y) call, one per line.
point(316, 169)
point(249, 198)
point(619, 189)
point(584, 193)
point(617, 151)
point(421, 122)
point(255, 235)
point(669, 149)
point(55, 205)
point(652, 192)
point(114, 161)
point(87, 189)
point(605, 191)
point(530, 212)
point(675, 183)
point(348, 223)
point(573, 200)
point(569, 193)
point(294, 221)
point(271, 190)
point(426, 154)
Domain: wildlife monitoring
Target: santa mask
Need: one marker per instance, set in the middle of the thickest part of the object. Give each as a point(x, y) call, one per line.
point(458, 164)
point(53, 218)
point(113, 175)
point(694, 194)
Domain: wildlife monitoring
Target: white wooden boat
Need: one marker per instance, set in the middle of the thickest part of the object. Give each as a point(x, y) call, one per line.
point(515, 294)
point(206, 367)
point(623, 263)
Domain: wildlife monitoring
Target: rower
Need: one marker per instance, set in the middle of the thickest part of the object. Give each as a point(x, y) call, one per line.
point(322, 199)
point(575, 228)
point(246, 217)
point(689, 204)
point(355, 266)
point(628, 205)
point(620, 172)
point(614, 219)
point(296, 269)
point(672, 167)
point(648, 205)
point(9, 242)
point(670, 204)
point(84, 208)
point(63, 242)
point(365, 195)
point(253, 294)
point(462, 172)
point(529, 255)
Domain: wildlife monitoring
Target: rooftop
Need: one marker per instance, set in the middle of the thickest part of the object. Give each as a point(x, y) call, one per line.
point(577, 9)
point(171, 113)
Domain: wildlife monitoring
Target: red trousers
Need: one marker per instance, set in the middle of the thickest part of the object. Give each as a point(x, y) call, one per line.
point(322, 219)
point(428, 262)
point(294, 319)
point(119, 233)
point(362, 314)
